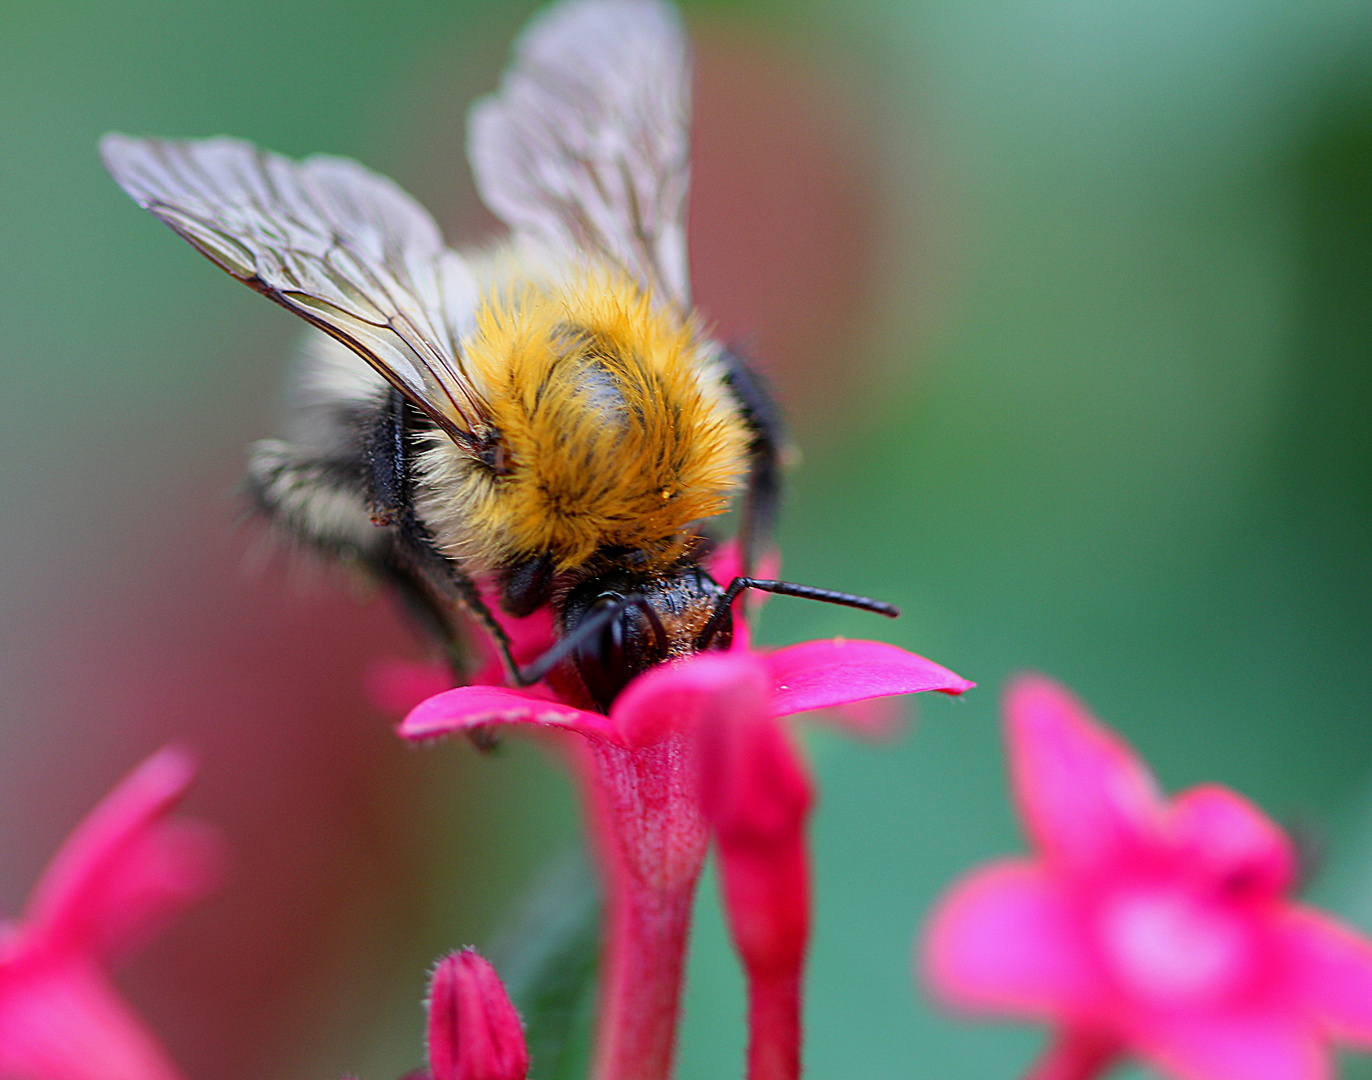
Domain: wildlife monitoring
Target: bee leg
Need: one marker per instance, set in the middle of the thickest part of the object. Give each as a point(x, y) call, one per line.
point(441, 577)
point(388, 450)
point(424, 579)
point(763, 418)
point(425, 609)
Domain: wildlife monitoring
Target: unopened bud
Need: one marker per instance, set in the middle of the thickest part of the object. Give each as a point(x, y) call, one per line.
point(474, 1031)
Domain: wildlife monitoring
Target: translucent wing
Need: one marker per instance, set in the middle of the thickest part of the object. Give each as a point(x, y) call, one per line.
point(586, 144)
point(339, 245)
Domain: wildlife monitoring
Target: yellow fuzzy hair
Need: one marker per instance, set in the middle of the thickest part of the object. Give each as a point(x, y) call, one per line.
point(615, 429)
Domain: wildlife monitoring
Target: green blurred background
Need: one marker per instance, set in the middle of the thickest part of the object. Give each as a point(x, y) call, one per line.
point(1071, 304)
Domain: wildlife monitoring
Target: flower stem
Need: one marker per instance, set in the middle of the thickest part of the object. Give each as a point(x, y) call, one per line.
point(1076, 1054)
point(774, 1027)
point(652, 846)
point(645, 954)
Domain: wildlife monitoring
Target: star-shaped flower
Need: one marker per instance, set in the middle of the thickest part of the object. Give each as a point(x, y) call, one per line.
point(121, 875)
point(689, 749)
point(1162, 929)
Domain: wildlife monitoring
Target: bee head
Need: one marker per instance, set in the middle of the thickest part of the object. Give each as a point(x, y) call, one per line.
point(621, 622)
point(618, 625)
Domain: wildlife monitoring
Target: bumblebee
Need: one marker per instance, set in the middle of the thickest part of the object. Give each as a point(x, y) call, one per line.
point(546, 422)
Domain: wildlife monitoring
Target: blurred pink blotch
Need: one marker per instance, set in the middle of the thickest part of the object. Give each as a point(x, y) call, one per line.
point(397, 686)
point(1142, 926)
point(474, 1031)
point(123, 873)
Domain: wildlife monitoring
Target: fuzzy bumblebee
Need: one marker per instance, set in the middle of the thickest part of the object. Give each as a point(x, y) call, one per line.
point(547, 420)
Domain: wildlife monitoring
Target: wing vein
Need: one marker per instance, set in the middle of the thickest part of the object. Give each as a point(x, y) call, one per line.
point(342, 247)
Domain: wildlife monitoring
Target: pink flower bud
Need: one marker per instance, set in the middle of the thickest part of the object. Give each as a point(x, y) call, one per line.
point(474, 1031)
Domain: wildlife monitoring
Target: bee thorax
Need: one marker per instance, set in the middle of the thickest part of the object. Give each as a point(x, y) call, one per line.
point(614, 431)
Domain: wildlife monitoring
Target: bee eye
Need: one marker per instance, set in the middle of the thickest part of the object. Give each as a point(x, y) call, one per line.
point(611, 631)
point(603, 661)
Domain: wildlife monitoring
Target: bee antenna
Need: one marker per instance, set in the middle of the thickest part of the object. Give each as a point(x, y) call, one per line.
point(786, 588)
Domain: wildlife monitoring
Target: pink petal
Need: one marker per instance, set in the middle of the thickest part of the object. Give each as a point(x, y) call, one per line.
point(467, 707)
point(756, 794)
point(682, 696)
point(766, 892)
point(754, 789)
point(62, 1021)
point(491, 673)
point(822, 674)
point(1221, 835)
point(1007, 938)
point(1257, 1045)
point(726, 563)
point(175, 865)
point(1085, 797)
point(1331, 966)
point(1171, 945)
point(125, 870)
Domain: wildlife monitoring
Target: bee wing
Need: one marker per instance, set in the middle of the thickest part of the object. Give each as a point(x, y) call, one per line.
point(586, 144)
point(339, 245)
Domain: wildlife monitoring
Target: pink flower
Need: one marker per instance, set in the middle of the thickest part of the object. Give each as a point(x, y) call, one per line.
point(474, 1031)
point(1141, 925)
point(120, 876)
point(689, 748)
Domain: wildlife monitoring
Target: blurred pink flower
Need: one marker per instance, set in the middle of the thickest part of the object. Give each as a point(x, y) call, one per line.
point(474, 1031)
point(123, 873)
point(397, 686)
point(687, 748)
point(1145, 926)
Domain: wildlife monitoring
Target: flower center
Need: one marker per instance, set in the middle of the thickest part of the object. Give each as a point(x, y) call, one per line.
point(1169, 947)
